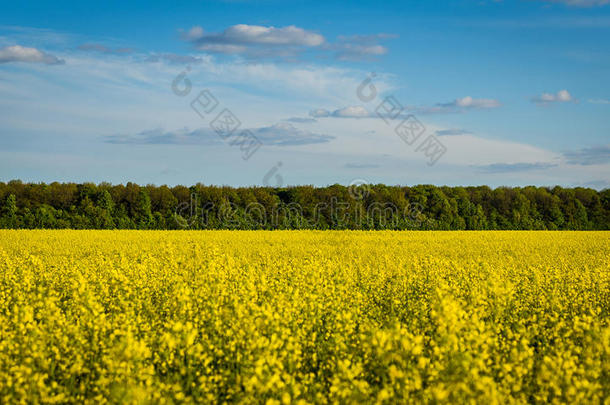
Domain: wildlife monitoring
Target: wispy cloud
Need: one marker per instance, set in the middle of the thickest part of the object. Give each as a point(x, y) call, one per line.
point(351, 112)
point(487, 154)
point(360, 47)
point(597, 184)
point(301, 120)
point(285, 134)
point(598, 101)
point(281, 134)
point(361, 166)
point(17, 53)
point(581, 3)
point(173, 58)
point(345, 112)
point(160, 137)
point(472, 103)
point(459, 105)
point(103, 49)
point(514, 167)
point(452, 132)
point(562, 96)
point(589, 156)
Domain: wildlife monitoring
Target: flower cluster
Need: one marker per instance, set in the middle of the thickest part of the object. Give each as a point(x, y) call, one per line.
point(283, 317)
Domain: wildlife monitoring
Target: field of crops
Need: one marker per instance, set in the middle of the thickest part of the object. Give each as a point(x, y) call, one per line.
point(304, 317)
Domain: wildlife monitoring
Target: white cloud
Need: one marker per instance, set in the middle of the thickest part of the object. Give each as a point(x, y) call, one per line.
point(459, 105)
point(319, 113)
point(255, 34)
point(351, 112)
point(469, 102)
point(254, 40)
point(104, 94)
point(345, 112)
point(17, 53)
point(598, 101)
point(194, 33)
point(98, 94)
point(562, 96)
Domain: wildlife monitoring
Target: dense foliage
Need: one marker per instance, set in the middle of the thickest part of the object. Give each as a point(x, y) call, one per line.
point(106, 206)
point(304, 317)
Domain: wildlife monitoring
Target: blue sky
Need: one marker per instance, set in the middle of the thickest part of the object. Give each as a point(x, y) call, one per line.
point(482, 92)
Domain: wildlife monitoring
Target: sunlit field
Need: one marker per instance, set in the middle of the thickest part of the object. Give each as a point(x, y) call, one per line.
point(304, 317)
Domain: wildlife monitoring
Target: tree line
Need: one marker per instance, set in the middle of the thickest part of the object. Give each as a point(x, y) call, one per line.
point(426, 207)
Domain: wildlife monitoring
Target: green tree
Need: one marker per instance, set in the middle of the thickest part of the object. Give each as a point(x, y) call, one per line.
point(105, 201)
point(9, 211)
point(143, 211)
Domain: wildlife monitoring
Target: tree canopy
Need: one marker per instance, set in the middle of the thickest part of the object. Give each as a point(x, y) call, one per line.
point(427, 207)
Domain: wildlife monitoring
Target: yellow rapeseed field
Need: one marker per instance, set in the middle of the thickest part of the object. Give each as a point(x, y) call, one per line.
point(304, 317)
